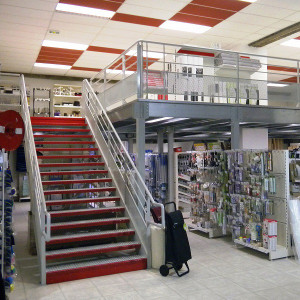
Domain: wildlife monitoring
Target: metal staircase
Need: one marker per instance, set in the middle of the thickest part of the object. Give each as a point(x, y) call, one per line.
point(91, 207)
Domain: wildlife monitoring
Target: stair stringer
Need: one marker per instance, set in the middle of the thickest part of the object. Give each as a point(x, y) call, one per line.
point(131, 209)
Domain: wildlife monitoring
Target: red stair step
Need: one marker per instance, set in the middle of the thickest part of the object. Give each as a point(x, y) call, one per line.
point(63, 239)
point(95, 268)
point(79, 136)
point(64, 142)
point(88, 223)
point(68, 156)
point(54, 119)
point(58, 123)
point(78, 191)
point(60, 130)
point(56, 165)
point(62, 173)
point(91, 250)
point(84, 212)
point(65, 149)
point(81, 200)
point(55, 182)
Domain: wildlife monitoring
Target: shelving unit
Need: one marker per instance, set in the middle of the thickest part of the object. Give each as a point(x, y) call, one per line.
point(41, 104)
point(64, 99)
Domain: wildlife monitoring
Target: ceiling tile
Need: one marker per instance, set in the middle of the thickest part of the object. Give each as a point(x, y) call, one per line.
point(15, 19)
point(243, 27)
point(195, 20)
point(137, 20)
point(120, 33)
point(226, 33)
point(75, 27)
point(95, 60)
point(71, 37)
point(267, 10)
point(99, 4)
point(33, 4)
point(295, 17)
point(287, 4)
point(280, 24)
point(145, 11)
point(167, 39)
point(25, 12)
point(79, 19)
point(174, 33)
point(48, 71)
point(252, 19)
point(168, 5)
point(232, 5)
point(82, 74)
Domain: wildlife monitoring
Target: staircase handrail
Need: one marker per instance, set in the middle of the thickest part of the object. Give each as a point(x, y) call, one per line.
point(36, 188)
point(140, 182)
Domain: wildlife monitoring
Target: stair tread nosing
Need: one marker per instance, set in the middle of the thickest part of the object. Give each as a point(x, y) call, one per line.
point(69, 156)
point(72, 181)
point(51, 173)
point(81, 200)
point(83, 190)
point(82, 164)
point(77, 237)
point(66, 267)
point(75, 212)
point(46, 136)
point(88, 248)
point(64, 142)
point(65, 149)
point(59, 130)
point(90, 222)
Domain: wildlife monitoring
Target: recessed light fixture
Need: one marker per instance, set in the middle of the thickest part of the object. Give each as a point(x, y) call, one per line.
point(158, 120)
point(83, 10)
point(149, 54)
point(292, 43)
point(251, 1)
point(52, 66)
point(186, 27)
point(277, 84)
point(64, 45)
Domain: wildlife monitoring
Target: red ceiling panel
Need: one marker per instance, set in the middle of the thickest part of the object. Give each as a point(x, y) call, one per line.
point(58, 56)
point(234, 5)
point(85, 69)
point(196, 53)
point(195, 20)
point(105, 50)
point(290, 79)
point(283, 69)
point(100, 4)
point(297, 38)
point(204, 11)
point(137, 20)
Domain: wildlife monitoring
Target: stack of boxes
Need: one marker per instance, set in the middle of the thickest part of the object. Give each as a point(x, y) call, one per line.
point(270, 234)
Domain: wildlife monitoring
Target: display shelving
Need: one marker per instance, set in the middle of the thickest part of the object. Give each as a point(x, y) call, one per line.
point(66, 97)
point(41, 104)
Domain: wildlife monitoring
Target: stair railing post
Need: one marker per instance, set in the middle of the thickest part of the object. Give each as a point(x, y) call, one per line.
point(140, 77)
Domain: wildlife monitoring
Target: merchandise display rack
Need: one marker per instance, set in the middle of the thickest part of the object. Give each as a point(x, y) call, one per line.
point(8, 270)
point(67, 100)
point(249, 189)
point(41, 102)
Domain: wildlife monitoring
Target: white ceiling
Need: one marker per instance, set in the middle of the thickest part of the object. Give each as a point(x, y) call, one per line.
point(24, 24)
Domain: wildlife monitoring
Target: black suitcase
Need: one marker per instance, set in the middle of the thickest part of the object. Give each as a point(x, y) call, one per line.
point(178, 250)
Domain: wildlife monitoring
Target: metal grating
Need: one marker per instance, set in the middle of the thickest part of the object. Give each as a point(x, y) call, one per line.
point(93, 263)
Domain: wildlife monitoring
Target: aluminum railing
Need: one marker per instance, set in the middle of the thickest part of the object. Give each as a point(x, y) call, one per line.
point(151, 70)
point(42, 218)
point(128, 180)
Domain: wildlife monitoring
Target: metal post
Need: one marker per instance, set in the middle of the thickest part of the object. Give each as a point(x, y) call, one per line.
point(235, 134)
point(130, 145)
point(140, 143)
point(237, 78)
point(171, 185)
point(140, 77)
point(123, 77)
point(298, 91)
point(43, 260)
point(160, 141)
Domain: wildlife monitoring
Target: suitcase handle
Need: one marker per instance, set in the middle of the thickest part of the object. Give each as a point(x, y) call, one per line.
point(170, 203)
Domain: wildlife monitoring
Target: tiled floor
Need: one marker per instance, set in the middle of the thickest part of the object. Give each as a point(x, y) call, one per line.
point(218, 271)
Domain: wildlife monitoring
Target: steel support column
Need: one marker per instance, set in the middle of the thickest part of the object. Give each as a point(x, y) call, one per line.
point(160, 141)
point(235, 134)
point(171, 185)
point(140, 144)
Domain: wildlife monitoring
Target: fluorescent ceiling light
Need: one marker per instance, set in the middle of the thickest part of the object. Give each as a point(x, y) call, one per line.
point(83, 10)
point(277, 84)
point(186, 27)
point(119, 72)
point(176, 120)
point(52, 66)
point(158, 120)
point(146, 54)
point(64, 45)
point(292, 43)
point(251, 1)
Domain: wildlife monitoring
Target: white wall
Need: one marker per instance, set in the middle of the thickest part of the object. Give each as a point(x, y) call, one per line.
point(254, 138)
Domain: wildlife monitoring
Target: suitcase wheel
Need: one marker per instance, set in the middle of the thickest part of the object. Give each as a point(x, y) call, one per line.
point(164, 270)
